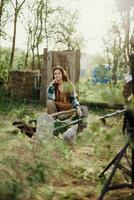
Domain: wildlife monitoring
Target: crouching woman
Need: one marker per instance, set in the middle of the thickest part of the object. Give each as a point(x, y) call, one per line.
point(61, 94)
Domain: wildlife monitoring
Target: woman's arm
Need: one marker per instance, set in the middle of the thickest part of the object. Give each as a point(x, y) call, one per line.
point(51, 92)
point(75, 103)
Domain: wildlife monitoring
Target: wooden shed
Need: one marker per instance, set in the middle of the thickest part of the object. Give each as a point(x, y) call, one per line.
point(31, 85)
point(69, 60)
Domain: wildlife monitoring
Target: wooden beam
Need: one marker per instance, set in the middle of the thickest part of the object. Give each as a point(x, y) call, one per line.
point(63, 112)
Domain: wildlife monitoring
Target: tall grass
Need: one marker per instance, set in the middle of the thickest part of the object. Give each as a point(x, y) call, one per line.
point(25, 165)
point(35, 170)
point(101, 93)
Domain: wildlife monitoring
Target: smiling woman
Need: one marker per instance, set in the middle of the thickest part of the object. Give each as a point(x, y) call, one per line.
point(61, 94)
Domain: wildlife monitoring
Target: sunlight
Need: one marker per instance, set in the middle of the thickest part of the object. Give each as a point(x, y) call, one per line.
point(95, 17)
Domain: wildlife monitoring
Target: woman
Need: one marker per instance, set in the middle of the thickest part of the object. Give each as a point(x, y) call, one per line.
point(61, 94)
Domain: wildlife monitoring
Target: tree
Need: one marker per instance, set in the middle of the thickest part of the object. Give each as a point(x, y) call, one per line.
point(65, 30)
point(38, 28)
point(4, 16)
point(42, 28)
point(17, 6)
point(4, 63)
point(1, 13)
point(126, 9)
point(114, 48)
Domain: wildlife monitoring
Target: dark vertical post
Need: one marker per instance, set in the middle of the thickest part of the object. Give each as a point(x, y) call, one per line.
point(131, 64)
point(44, 78)
point(132, 166)
point(77, 69)
point(77, 65)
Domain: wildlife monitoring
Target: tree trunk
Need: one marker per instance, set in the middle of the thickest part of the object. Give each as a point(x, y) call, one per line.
point(1, 12)
point(33, 59)
point(39, 35)
point(14, 39)
point(45, 25)
point(114, 77)
point(16, 12)
point(127, 31)
point(38, 57)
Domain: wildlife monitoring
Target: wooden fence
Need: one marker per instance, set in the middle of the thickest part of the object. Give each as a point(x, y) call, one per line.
point(32, 86)
point(24, 85)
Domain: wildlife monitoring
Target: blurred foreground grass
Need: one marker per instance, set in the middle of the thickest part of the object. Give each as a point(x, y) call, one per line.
point(51, 170)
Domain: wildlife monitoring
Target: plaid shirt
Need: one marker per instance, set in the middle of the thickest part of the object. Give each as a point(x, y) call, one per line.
point(51, 95)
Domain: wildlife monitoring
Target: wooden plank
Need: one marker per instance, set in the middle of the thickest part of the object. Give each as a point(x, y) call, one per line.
point(63, 112)
point(70, 61)
point(77, 66)
point(118, 112)
point(50, 66)
point(101, 105)
point(43, 78)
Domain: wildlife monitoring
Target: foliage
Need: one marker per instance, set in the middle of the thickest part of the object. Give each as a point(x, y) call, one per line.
point(118, 41)
point(65, 30)
point(40, 28)
point(98, 59)
point(4, 17)
point(25, 164)
point(91, 92)
point(50, 169)
point(102, 74)
point(19, 175)
point(4, 62)
point(112, 95)
point(19, 60)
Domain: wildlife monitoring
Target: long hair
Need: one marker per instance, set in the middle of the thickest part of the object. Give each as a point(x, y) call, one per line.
point(64, 74)
point(68, 86)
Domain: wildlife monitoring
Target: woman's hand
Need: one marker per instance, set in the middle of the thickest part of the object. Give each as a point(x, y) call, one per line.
point(54, 82)
point(79, 111)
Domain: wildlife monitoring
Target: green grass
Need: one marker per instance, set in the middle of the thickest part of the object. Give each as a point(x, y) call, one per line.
point(51, 169)
point(101, 93)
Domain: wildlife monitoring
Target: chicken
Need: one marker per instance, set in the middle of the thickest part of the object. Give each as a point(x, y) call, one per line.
point(70, 135)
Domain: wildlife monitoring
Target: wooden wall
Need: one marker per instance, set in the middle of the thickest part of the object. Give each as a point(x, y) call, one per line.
point(69, 60)
point(23, 85)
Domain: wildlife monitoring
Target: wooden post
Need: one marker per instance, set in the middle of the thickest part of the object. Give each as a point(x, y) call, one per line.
point(77, 69)
point(44, 78)
point(77, 65)
point(49, 67)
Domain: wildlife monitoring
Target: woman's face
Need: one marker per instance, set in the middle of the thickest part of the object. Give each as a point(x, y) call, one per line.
point(57, 75)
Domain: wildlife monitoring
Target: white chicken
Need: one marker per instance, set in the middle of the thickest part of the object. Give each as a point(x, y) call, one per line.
point(70, 135)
